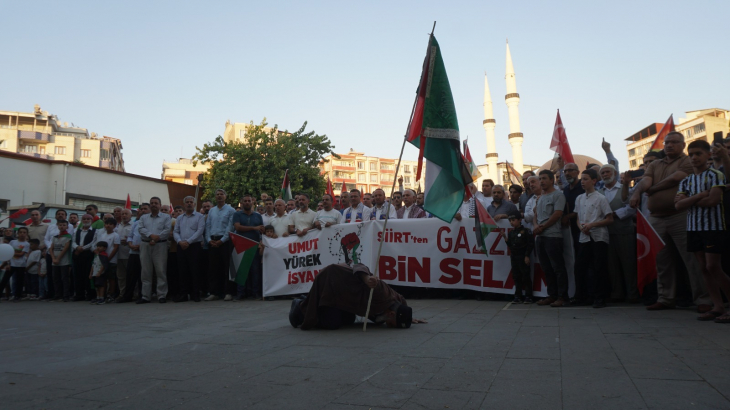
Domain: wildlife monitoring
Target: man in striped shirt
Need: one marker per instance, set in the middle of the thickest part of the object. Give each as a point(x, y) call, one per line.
point(701, 194)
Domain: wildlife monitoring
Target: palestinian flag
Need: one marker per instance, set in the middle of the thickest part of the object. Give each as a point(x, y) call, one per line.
point(658, 144)
point(470, 165)
point(286, 187)
point(434, 129)
point(244, 252)
point(514, 176)
point(484, 225)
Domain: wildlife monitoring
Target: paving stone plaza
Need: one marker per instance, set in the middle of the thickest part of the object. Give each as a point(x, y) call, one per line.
point(471, 354)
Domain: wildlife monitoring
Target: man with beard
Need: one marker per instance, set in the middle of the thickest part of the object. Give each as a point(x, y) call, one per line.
point(327, 216)
point(268, 210)
point(301, 220)
point(528, 190)
point(622, 239)
point(381, 210)
point(188, 233)
point(357, 212)
point(280, 221)
point(397, 200)
point(340, 293)
point(499, 208)
point(217, 226)
point(549, 243)
point(154, 230)
point(249, 224)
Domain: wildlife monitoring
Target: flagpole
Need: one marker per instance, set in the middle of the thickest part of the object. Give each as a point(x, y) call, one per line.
point(392, 189)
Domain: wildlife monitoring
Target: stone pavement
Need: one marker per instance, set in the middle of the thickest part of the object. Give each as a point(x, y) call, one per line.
point(215, 355)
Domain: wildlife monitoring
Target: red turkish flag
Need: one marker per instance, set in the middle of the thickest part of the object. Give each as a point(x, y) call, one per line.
point(559, 143)
point(128, 204)
point(648, 245)
point(668, 127)
point(329, 190)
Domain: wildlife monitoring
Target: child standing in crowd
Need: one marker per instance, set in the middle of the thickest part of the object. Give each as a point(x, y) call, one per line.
point(98, 271)
point(112, 240)
point(32, 268)
point(520, 243)
point(61, 258)
point(18, 261)
point(42, 278)
point(701, 193)
point(269, 232)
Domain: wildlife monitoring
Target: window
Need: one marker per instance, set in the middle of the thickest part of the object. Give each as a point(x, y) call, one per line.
point(407, 180)
point(85, 153)
point(373, 167)
point(632, 152)
point(42, 149)
point(241, 134)
point(387, 167)
point(104, 154)
point(698, 128)
point(31, 149)
point(60, 151)
point(633, 163)
point(360, 177)
point(406, 168)
point(374, 178)
point(3, 143)
point(360, 165)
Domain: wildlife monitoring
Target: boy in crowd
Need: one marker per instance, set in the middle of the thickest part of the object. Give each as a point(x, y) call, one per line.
point(269, 232)
point(32, 269)
point(61, 258)
point(98, 271)
point(701, 194)
point(594, 214)
point(18, 261)
point(113, 241)
point(520, 243)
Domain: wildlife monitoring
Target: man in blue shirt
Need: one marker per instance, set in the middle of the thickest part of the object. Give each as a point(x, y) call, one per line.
point(217, 226)
point(250, 224)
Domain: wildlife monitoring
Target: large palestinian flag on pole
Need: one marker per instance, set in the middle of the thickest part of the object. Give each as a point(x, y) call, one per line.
point(434, 129)
point(242, 256)
point(286, 187)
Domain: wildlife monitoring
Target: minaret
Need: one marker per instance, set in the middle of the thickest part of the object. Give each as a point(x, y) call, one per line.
point(513, 100)
point(489, 125)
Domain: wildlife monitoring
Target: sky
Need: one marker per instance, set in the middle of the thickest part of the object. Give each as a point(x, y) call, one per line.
point(165, 76)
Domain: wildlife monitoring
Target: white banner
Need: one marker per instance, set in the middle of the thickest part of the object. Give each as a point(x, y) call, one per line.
point(421, 253)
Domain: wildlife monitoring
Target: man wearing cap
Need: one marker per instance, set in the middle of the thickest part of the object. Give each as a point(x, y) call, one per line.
point(340, 293)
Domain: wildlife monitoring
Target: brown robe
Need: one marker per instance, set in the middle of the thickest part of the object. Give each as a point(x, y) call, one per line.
point(338, 287)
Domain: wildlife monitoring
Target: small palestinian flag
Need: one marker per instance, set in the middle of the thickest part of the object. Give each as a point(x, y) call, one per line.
point(286, 187)
point(242, 256)
point(484, 225)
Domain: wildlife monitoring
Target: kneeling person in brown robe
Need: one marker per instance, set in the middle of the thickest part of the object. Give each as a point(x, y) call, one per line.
point(340, 293)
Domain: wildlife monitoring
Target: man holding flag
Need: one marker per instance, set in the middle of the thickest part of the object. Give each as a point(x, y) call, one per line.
point(250, 225)
point(661, 181)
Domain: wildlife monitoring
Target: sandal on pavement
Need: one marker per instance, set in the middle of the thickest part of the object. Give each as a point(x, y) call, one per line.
point(723, 319)
point(711, 315)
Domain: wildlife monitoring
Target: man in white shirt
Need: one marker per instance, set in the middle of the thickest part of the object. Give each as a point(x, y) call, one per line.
point(328, 216)
point(381, 210)
point(357, 211)
point(622, 239)
point(485, 196)
point(268, 210)
point(302, 220)
point(593, 216)
point(280, 221)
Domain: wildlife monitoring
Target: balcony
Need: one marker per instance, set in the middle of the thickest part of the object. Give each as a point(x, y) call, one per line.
point(342, 168)
point(28, 136)
point(34, 154)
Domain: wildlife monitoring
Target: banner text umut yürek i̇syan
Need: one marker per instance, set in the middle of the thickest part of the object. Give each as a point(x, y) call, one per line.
point(421, 253)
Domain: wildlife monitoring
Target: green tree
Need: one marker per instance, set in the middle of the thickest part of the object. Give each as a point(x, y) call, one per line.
point(257, 163)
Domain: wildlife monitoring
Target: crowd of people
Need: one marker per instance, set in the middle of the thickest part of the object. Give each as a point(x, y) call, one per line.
point(573, 222)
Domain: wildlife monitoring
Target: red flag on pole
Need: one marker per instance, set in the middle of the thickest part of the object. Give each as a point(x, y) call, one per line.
point(668, 127)
point(344, 190)
point(648, 245)
point(128, 204)
point(559, 143)
point(329, 190)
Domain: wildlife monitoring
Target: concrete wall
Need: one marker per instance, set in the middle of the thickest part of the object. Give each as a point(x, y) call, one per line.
point(24, 181)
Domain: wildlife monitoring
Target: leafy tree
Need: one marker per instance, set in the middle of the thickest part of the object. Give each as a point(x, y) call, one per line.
point(257, 163)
